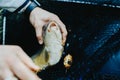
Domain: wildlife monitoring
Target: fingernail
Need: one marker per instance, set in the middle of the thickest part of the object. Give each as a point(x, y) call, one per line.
point(39, 79)
point(63, 42)
point(41, 42)
point(37, 67)
point(34, 66)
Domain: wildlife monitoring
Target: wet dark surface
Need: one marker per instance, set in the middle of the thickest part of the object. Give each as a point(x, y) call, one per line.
point(93, 41)
point(94, 2)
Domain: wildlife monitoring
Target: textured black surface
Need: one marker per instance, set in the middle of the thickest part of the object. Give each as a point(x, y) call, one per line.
point(110, 3)
point(94, 37)
point(93, 41)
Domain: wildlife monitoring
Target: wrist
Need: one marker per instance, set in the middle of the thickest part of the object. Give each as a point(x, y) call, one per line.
point(23, 6)
point(31, 7)
point(27, 7)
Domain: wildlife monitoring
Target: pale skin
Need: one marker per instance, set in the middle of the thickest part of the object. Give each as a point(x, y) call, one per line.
point(14, 61)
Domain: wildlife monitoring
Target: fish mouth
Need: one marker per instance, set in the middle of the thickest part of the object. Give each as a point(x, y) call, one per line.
point(48, 25)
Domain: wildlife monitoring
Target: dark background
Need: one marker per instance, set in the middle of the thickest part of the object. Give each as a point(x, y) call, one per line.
point(97, 2)
point(93, 40)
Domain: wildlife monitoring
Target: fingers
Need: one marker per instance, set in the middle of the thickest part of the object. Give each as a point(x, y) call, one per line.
point(38, 28)
point(5, 72)
point(27, 61)
point(16, 64)
point(39, 17)
point(22, 71)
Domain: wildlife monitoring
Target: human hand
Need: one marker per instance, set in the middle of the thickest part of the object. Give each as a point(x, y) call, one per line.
point(39, 17)
point(15, 62)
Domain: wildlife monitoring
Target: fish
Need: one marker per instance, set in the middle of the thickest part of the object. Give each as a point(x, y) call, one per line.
point(53, 46)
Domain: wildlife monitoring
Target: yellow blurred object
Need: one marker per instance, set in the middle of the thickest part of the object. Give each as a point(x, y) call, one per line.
point(68, 61)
